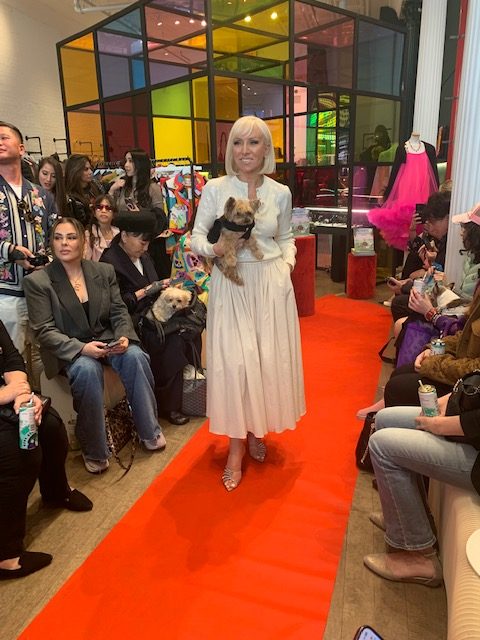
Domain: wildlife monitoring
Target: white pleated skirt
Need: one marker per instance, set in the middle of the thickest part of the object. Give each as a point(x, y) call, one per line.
point(254, 357)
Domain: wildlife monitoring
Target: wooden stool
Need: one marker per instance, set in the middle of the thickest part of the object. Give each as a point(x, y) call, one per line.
point(58, 389)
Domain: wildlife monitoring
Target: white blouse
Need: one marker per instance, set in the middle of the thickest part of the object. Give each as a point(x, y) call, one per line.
point(273, 228)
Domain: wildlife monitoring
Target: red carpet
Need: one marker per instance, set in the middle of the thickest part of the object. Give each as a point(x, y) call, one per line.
point(190, 561)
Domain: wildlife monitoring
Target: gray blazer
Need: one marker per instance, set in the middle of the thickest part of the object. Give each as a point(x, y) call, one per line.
point(58, 319)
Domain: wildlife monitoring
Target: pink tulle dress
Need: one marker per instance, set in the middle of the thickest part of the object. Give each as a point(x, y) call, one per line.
point(415, 182)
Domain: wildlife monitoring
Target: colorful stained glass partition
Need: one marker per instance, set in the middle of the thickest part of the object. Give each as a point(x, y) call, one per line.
point(157, 76)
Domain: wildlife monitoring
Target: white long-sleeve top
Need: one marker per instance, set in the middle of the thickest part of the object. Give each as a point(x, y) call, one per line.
point(273, 228)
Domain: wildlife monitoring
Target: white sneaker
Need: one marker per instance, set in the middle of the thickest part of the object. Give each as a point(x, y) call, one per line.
point(95, 466)
point(156, 444)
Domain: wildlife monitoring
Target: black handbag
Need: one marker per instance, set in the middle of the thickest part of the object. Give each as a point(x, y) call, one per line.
point(362, 453)
point(465, 395)
point(188, 322)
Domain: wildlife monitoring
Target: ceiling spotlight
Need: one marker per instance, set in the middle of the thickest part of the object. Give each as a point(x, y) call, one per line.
point(177, 22)
point(159, 24)
point(274, 15)
point(248, 18)
point(166, 53)
point(192, 21)
point(203, 23)
point(249, 88)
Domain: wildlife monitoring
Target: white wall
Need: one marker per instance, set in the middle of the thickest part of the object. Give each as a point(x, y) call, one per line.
point(30, 94)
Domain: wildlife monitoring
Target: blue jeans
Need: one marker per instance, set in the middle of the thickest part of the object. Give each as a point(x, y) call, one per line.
point(400, 455)
point(86, 381)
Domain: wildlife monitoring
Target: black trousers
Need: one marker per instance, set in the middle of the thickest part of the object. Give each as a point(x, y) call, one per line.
point(19, 469)
point(402, 388)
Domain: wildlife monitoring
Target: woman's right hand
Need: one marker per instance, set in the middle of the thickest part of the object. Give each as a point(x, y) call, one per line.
point(94, 349)
point(117, 185)
point(421, 357)
point(419, 302)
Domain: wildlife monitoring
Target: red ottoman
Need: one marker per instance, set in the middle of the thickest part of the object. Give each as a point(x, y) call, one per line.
point(303, 276)
point(361, 276)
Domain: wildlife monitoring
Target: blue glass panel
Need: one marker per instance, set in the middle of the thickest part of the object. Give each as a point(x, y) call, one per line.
point(138, 74)
point(129, 23)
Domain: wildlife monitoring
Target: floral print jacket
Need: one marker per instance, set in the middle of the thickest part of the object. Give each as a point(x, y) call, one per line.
point(25, 222)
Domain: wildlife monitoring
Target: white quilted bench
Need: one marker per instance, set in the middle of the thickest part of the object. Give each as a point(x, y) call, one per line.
point(457, 516)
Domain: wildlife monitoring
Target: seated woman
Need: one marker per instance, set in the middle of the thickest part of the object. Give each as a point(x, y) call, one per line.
point(462, 354)
point(20, 468)
point(75, 310)
point(139, 285)
point(100, 232)
point(406, 446)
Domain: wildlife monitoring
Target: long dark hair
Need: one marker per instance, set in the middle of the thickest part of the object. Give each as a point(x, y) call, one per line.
point(471, 240)
point(58, 190)
point(143, 165)
point(74, 168)
point(94, 221)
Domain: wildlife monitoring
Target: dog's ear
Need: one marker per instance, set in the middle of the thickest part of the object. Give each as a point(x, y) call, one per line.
point(255, 204)
point(230, 205)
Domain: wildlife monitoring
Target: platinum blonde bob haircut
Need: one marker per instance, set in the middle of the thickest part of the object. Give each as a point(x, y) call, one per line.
point(244, 127)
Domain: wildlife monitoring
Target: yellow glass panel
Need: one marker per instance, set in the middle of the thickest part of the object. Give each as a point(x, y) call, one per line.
point(173, 138)
point(272, 20)
point(272, 52)
point(276, 129)
point(79, 76)
point(200, 98)
point(85, 133)
point(227, 40)
point(226, 98)
point(85, 43)
point(202, 141)
point(198, 42)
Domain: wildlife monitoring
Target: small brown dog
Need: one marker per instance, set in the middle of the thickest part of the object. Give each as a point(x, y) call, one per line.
point(170, 300)
point(239, 213)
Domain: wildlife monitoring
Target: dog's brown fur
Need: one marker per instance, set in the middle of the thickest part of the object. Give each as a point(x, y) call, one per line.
point(240, 211)
point(170, 300)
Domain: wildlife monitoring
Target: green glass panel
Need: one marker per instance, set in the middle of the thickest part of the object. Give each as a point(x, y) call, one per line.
point(312, 119)
point(173, 100)
point(370, 115)
point(327, 119)
point(129, 23)
point(228, 40)
point(273, 52)
point(223, 10)
point(274, 20)
point(326, 145)
point(344, 100)
point(272, 72)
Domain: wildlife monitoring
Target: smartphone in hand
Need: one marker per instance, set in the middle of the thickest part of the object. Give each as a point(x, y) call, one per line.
point(367, 633)
point(112, 343)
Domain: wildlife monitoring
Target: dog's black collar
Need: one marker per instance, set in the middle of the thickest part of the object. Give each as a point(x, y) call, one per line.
point(233, 226)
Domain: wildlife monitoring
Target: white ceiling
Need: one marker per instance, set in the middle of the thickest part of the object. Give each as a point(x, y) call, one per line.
point(61, 15)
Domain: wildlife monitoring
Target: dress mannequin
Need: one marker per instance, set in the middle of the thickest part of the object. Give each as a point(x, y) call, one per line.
point(413, 179)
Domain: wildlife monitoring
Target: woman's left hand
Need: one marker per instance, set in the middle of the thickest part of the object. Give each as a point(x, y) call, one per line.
point(421, 357)
point(37, 404)
point(121, 347)
point(440, 425)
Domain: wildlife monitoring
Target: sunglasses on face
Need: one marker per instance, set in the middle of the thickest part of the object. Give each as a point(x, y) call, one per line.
point(103, 207)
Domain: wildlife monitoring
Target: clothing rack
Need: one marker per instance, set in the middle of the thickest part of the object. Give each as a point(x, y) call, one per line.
point(60, 153)
point(35, 153)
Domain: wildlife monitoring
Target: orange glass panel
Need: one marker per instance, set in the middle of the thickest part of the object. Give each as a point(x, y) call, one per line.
point(79, 72)
point(226, 98)
point(85, 133)
point(200, 98)
point(173, 138)
point(202, 141)
point(276, 129)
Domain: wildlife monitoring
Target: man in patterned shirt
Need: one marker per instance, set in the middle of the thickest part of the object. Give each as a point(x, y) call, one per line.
point(26, 215)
